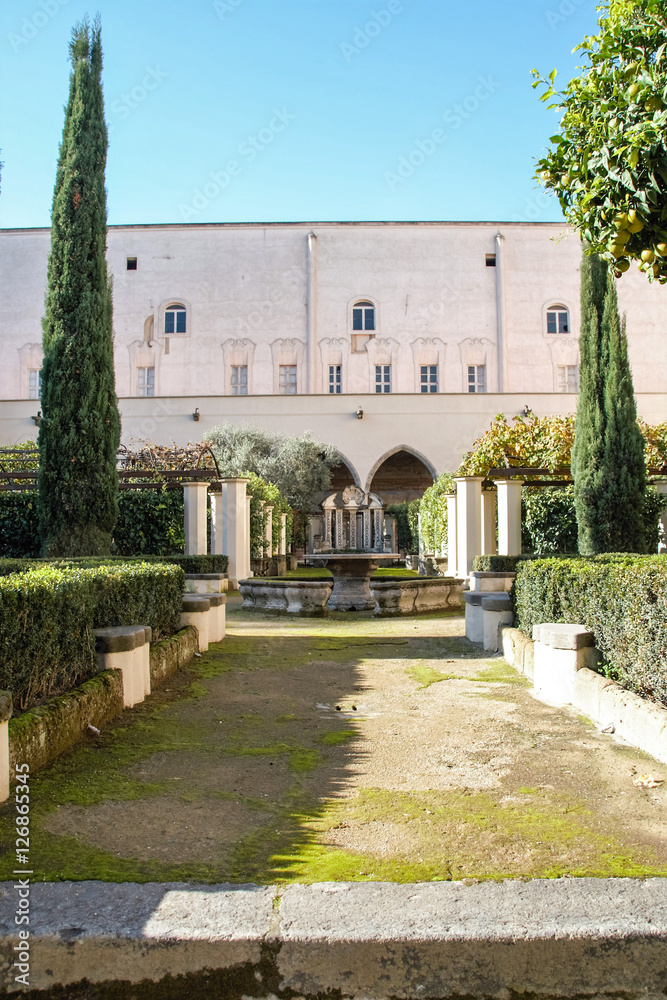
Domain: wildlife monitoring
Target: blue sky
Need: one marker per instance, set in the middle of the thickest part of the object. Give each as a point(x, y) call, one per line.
point(280, 110)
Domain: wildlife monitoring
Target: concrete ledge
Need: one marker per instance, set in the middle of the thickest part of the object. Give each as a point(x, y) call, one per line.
point(487, 581)
point(562, 938)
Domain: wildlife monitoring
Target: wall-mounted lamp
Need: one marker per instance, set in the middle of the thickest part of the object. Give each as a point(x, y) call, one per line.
point(360, 413)
point(37, 417)
point(195, 415)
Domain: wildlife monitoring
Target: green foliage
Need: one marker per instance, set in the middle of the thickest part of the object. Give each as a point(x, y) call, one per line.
point(19, 525)
point(608, 464)
point(497, 564)
point(150, 522)
point(607, 162)
point(549, 520)
point(299, 466)
point(531, 441)
point(270, 494)
point(622, 599)
point(48, 614)
point(406, 515)
point(433, 514)
point(189, 564)
point(80, 428)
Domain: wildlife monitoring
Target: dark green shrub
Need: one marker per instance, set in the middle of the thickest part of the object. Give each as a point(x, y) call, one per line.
point(406, 515)
point(621, 598)
point(189, 564)
point(19, 525)
point(48, 614)
point(150, 522)
point(549, 520)
point(497, 564)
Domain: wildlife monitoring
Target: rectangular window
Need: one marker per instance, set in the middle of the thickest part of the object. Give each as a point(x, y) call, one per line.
point(34, 383)
point(383, 378)
point(287, 380)
point(131, 263)
point(335, 378)
point(429, 378)
point(363, 316)
point(558, 321)
point(568, 377)
point(239, 380)
point(145, 381)
point(476, 378)
point(490, 260)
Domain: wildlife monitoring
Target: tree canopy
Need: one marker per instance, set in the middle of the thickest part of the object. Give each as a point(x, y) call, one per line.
point(608, 162)
point(299, 466)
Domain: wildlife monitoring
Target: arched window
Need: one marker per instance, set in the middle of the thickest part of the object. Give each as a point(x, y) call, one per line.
point(174, 319)
point(558, 319)
point(363, 317)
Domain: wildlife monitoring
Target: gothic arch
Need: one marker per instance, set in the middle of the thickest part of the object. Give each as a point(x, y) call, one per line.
point(339, 471)
point(404, 483)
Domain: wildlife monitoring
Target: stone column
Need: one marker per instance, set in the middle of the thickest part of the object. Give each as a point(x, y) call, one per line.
point(489, 522)
point(328, 535)
point(217, 534)
point(195, 518)
point(234, 530)
point(283, 535)
point(366, 543)
point(451, 535)
point(268, 529)
point(509, 516)
point(468, 522)
point(661, 487)
point(378, 529)
point(248, 553)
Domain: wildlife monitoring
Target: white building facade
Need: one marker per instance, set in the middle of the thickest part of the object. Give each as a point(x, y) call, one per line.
point(415, 321)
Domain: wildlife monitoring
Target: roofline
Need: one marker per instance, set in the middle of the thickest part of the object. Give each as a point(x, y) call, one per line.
point(266, 225)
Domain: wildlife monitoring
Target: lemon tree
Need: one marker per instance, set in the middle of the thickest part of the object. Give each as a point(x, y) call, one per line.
point(608, 163)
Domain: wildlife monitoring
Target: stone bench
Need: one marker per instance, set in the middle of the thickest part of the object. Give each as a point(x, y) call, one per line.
point(491, 582)
point(485, 612)
point(206, 583)
point(195, 612)
point(126, 648)
point(216, 617)
point(5, 716)
point(559, 652)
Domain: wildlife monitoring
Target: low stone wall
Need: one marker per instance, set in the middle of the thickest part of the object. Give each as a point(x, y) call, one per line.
point(409, 596)
point(41, 735)
point(556, 938)
point(306, 597)
point(639, 722)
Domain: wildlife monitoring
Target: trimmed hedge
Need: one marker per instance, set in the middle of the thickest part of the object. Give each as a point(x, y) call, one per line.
point(48, 614)
point(189, 564)
point(497, 564)
point(621, 598)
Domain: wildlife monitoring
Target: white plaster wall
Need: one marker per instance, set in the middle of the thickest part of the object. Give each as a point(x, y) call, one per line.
point(439, 429)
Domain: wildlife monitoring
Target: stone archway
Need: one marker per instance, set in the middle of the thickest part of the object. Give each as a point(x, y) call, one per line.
point(343, 475)
point(401, 475)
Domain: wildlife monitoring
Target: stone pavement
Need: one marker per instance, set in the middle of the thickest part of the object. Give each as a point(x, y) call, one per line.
point(345, 749)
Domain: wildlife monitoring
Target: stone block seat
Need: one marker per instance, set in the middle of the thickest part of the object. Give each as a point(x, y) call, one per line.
point(195, 612)
point(206, 583)
point(216, 617)
point(486, 611)
point(561, 650)
point(491, 582)
point(126, 648)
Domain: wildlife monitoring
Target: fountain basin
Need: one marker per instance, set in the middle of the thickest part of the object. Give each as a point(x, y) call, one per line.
point(410, 595)
point(306, 597)
point(351, 577)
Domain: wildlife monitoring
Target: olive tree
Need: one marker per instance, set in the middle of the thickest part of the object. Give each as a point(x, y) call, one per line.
point(608, 162)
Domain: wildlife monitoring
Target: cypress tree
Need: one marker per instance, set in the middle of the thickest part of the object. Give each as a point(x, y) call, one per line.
point(80, 428)
point(608, 453)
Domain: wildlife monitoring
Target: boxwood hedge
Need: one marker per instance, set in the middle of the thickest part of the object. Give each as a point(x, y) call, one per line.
point(621, 598)
point(48, 614)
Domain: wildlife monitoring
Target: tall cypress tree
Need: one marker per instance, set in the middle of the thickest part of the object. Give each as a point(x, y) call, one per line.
point(80, 428)
point(608, 453)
